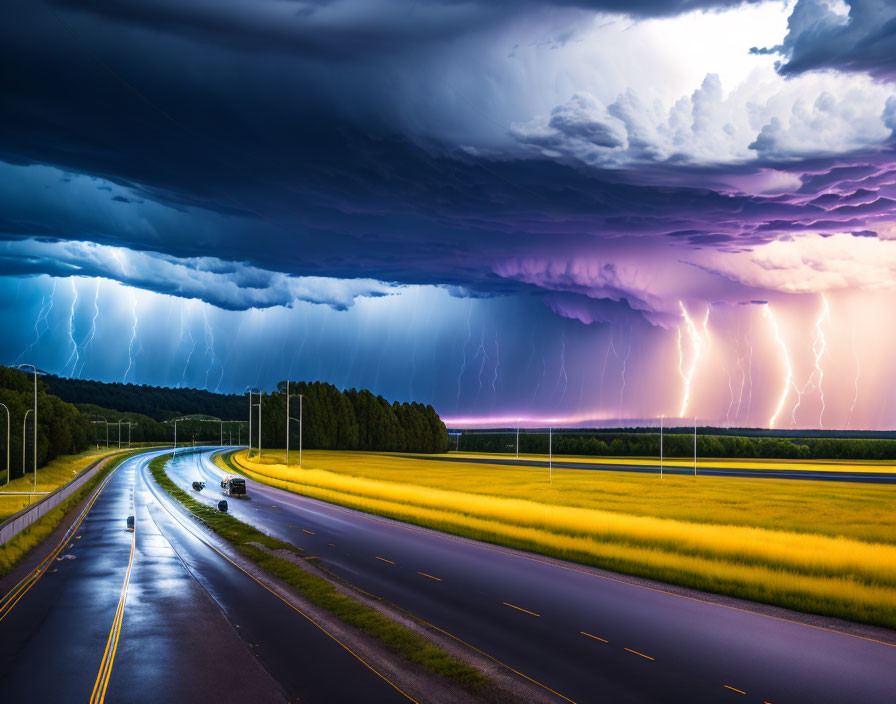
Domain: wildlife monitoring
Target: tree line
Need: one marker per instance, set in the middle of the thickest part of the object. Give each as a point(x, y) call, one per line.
point(158, 403)
point(348, 420)
point(647, 444)
point(87, 412)
point(61, 428)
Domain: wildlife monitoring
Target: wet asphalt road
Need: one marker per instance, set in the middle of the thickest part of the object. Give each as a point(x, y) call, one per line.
point(803, 474)
point(194, 627)
point(586, 637)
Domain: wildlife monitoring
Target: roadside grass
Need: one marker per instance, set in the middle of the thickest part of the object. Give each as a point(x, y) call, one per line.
point(14, 551)
point(399, 639)
point(812, 568)
point(56, 473)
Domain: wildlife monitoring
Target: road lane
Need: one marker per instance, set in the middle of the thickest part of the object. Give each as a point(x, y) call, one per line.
point(53, 639)
point(694, 648)
point(193, 627)
point(309, 665)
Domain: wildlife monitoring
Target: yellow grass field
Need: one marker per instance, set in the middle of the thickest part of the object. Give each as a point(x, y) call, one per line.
point(820, 547)
point(54, 475)
point(884, 466)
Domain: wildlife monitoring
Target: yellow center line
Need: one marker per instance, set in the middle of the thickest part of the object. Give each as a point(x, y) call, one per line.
point(602, 640)
point(308, 532)
point(525, 611)
point(641, 654)
point(734, 689)
point(384, 560)
point(438, 579)
point(102, 679)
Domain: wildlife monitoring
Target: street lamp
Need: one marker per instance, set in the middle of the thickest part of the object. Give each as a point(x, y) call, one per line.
point(36, 372)
point(301, 397)
point(24, 468)
point(252, 390)
point(7, 442)
point(102, 420)
point(661, 446)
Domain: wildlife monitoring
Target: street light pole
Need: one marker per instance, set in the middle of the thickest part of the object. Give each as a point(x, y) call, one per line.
point(119, 433)
point(661, 446)
point(517, 441)
point(35, 370)
point(288, 419)
point(695, 446)
point(7, 442)
point(249, 452)
point(551, 455)
point(24, 424)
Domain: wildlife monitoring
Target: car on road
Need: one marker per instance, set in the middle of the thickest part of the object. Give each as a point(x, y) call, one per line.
point(222, 506)
point(234, 486)
point(198, 486)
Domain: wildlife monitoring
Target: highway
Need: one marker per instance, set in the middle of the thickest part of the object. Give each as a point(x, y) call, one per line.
point(158, 615)
point(803, 474)
point(582, 636)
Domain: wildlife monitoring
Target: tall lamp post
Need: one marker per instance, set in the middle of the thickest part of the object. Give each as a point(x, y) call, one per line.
point(288, 418)
point(36, 371)
point(24, 445)
point(102, 420)
point(7, 442)
point(252, 390)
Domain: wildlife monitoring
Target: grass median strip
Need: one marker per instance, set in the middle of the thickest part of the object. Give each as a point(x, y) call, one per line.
point(399, 639)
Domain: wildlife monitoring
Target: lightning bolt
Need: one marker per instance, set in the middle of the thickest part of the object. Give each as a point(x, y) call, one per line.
point(788, 380)
point(855, 396)
point(818, 347)
point(495, 377)
point(697, 342)
point(40, 314)
point(209, 337)
point(484, 358)
point(817, 376)
point(183, 375)
point(71, 332)
point(563, 374)
point(628, 353)
point(463, 363)
point(133, 337)
point(90, 335)
point(604, 372)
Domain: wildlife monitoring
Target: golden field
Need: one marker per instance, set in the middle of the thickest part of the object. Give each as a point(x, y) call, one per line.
point(821, 547)
point(867, 466)
point(61, 470)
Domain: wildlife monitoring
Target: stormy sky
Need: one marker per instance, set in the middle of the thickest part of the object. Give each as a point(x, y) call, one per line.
point(564, 212)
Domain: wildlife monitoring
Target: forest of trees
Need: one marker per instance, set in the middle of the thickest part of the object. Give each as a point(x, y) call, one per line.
point(333, 419)
point(61, 428)
point(158, 403)
point(349, 420)
point(680, 444)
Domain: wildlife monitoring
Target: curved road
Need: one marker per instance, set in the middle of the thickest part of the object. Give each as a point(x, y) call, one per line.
point(186, 625)
point(804, 474)
point(586, 637)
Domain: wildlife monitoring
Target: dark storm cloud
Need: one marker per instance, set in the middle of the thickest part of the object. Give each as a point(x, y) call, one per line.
point(278, 141)
point(820, 38)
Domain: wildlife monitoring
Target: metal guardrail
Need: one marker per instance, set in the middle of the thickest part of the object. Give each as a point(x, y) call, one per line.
point(16, 523)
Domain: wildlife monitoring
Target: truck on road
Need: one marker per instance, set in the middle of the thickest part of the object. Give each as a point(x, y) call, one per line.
point(233, 486)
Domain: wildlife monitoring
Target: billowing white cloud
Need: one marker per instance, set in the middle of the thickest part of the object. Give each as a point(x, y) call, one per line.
point(765, 117)
point(225, 284)
point(811, 264)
